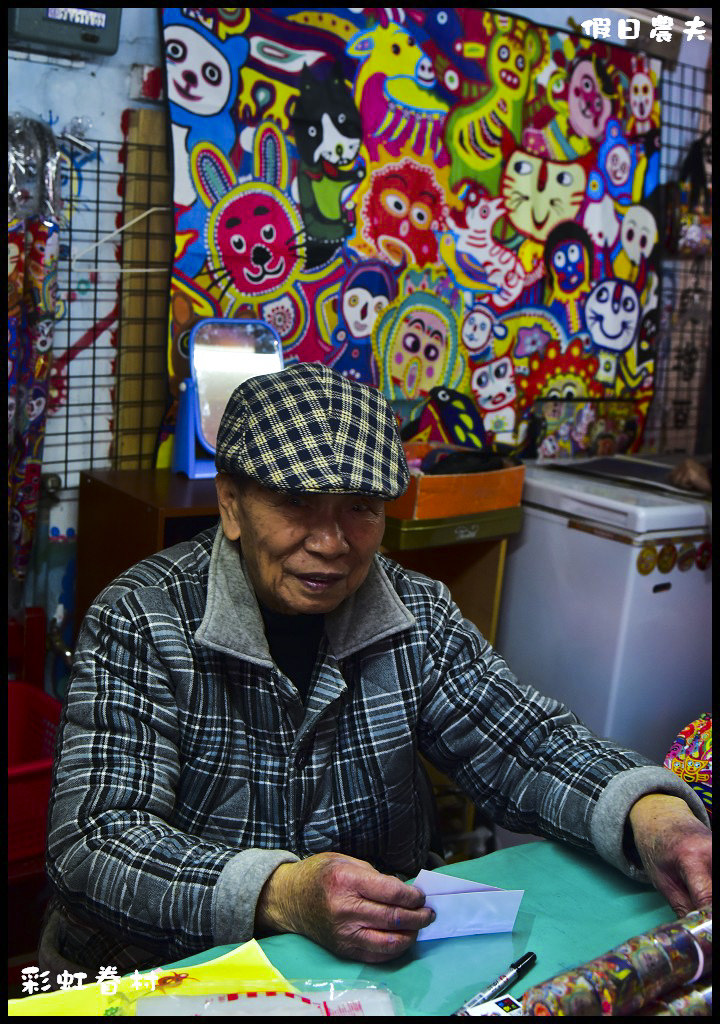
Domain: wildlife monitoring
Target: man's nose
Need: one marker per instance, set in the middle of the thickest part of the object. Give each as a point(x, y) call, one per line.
point(326, 537)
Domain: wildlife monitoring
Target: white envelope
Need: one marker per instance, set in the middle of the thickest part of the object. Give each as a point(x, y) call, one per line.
point(466, 908)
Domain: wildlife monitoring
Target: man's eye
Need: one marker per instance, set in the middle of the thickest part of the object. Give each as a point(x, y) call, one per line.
point(369, 507)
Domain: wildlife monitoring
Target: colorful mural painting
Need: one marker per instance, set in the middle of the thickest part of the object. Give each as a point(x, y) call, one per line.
point(423, 198)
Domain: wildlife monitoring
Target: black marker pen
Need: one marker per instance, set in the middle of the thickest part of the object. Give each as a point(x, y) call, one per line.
point(499, 986)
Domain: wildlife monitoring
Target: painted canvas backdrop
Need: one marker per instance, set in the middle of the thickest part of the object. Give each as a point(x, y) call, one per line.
point(449, 204)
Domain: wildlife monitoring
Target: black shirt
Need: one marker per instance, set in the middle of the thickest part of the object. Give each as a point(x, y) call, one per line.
point(294, 641)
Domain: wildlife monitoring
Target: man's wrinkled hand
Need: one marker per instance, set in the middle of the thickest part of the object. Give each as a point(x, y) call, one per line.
point(675, 849)
point(691, 475)
point(345, 905)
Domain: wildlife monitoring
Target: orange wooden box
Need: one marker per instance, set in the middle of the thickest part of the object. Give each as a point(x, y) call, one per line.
point(458, 494)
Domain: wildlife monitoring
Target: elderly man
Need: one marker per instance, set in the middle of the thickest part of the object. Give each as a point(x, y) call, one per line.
point(240, 750)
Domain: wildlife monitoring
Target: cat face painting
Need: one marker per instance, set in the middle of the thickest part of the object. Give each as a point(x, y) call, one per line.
point(326, 121)
point(539, 194)
point(494, 384)
point(255, 239)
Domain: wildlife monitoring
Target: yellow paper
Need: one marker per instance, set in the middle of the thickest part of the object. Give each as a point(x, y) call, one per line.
point(244, 969)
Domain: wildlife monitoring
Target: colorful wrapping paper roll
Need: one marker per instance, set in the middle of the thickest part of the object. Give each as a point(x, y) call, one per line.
point(693, 1001)
point(631, 976)
point(690, 757)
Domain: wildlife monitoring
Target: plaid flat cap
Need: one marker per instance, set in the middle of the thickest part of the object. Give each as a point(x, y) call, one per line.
point(307, 428)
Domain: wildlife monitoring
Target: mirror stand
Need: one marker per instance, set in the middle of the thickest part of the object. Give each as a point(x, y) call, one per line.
point(189, 455)
point(222, 354)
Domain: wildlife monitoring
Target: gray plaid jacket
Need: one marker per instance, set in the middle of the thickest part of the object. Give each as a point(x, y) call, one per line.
point(188, 768)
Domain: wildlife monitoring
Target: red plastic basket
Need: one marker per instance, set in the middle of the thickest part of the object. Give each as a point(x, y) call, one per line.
point(33, 718)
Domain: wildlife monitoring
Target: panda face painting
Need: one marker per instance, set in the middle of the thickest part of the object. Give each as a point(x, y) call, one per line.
point(612, 314)
point(199, 76)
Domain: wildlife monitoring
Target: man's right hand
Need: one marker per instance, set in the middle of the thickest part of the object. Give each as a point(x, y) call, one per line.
point(345, 905)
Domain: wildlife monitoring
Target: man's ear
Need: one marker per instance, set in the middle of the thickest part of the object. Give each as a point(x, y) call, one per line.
point(228, 495)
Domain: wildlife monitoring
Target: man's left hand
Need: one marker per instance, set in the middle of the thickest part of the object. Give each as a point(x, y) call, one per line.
point(675, 849)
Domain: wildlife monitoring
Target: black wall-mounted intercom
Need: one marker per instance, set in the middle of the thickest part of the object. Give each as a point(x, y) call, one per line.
point(64, 31)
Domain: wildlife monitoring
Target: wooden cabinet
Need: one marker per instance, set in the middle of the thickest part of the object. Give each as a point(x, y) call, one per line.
point(465, 552)
point(127, 514)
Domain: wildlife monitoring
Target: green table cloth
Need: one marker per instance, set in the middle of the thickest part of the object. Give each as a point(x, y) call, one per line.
point(575, 907)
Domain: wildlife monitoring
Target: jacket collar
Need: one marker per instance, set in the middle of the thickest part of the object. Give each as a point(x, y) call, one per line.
point(232, 622)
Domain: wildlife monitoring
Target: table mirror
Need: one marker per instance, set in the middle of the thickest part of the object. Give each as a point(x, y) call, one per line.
point(223, 354)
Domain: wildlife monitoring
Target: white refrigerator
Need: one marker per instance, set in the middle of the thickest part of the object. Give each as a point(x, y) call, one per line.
point(606, 604)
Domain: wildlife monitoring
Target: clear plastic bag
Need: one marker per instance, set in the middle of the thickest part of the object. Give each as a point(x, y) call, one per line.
point(33, 170)
point(309, 998)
